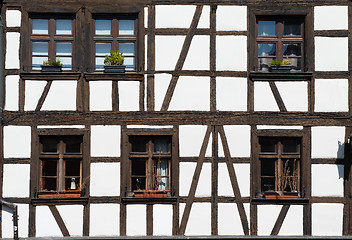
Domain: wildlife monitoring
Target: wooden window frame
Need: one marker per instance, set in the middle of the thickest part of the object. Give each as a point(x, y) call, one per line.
point(114, 38)
point(280, 39)
point(52, 38)
point(61, 135)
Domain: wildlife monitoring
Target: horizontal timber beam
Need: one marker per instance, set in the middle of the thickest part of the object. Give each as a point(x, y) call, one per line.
point(34, 118)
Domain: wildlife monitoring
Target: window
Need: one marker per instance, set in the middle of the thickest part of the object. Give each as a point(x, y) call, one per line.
point(279, 166)
point(51, 38)
point(60, 163)
point(115, 34)
point(150, 160)
point(280, 38)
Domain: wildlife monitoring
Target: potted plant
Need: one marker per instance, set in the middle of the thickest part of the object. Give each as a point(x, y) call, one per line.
point(52, 65)
point(280, 66)
point(113, 63)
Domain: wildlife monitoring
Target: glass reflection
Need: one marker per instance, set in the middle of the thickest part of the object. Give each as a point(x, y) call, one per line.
point(266, 28)
point(292, 49)
point(64, 27)
point(40, 26)
point(292, 28)
point(266, 50)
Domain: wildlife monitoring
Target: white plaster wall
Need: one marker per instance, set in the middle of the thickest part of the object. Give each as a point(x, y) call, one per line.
point(61, 126)
point(229, 220)
point(16, 180)
point(231, 53)
point(327, 180)
point(100, 95)
point(204, 184)
point(331, 54)
point(191, 93)
point(161, 83)
point(73, 218)
point(243, 179)
point(17, 142)
point(204, 20)
point(239, 140)
point(264, 98)
point(331, 95)
point(186, 176)
point(167, 51)
point(328, 142)
point(33, 91)
point(7, 223)
point(12, 50)
point(323, 16)
point(294, 95)
point(105, 179)
point(162, 219)
point(13, 18)
point(279, 127)
point(136, 221)
point(149, 126)
point(327, 219)
point(293, 223)
point(268, 214)
point(104, 219)
point(191, 140)
point(198, 54)
point(146, 17)
point(45, 223)
point(105, 141)
point(145, 52)
point(231, 18)
point(12, 93)
point(199, 222)
point(128, 96)
point(231, 94)
point(61, 96)
point(169, 16)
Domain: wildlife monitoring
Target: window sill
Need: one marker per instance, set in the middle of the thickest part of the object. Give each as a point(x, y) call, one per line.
point(69, 75)
point(296, 201)
point(280, 76)
point(60, 201)
point(127, 76)
point(136, 200)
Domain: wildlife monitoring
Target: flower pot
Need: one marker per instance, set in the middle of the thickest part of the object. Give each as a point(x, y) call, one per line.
point(285, 195)
point(51, 68)
point(271, 195)
point(281, 68)
point(115, 69)
point(150, 193)
point(59, 194)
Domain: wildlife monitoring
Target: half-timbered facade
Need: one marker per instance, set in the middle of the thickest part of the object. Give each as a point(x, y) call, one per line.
point(202, 135)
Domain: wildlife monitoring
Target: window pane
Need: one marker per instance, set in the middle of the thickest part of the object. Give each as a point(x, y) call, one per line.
point(139, 145)
point(161, 146)
point(268, 184)
point(73, 145)
point(49, 145)
point(163, 183)
point(267, 175)
point(64, 27)
point(49, 168)
point(40, 48)
point(40, 26)
point(127, 49)
point(102, 49)
point(49, 184)
point(126, 27)
point(292, 28)
point(266, 28)
point(64, 49)
point(266, 50)
point(267, 145)
point(37, 61)
point(291, 50)
point(129, 62)
point(290, 176)
point(138, 167)
point(72, 183)
point(72, 168)
point(138, 183)
point(67, 62)
point(99, 63)
point(290, 146)
point(103, 27)
point(162, 167)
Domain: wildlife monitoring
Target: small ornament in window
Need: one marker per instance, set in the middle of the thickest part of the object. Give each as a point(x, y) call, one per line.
point(73, 184)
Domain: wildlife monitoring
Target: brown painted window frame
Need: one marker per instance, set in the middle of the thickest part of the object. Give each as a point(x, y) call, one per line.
point(51, 37)
point(305, 160)
point(127, 193)
point(114, 38)
point(280, 39)
point(36, 166)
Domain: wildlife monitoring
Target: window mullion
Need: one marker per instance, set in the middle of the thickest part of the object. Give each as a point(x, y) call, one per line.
point(61, 176)
point(150, 166)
